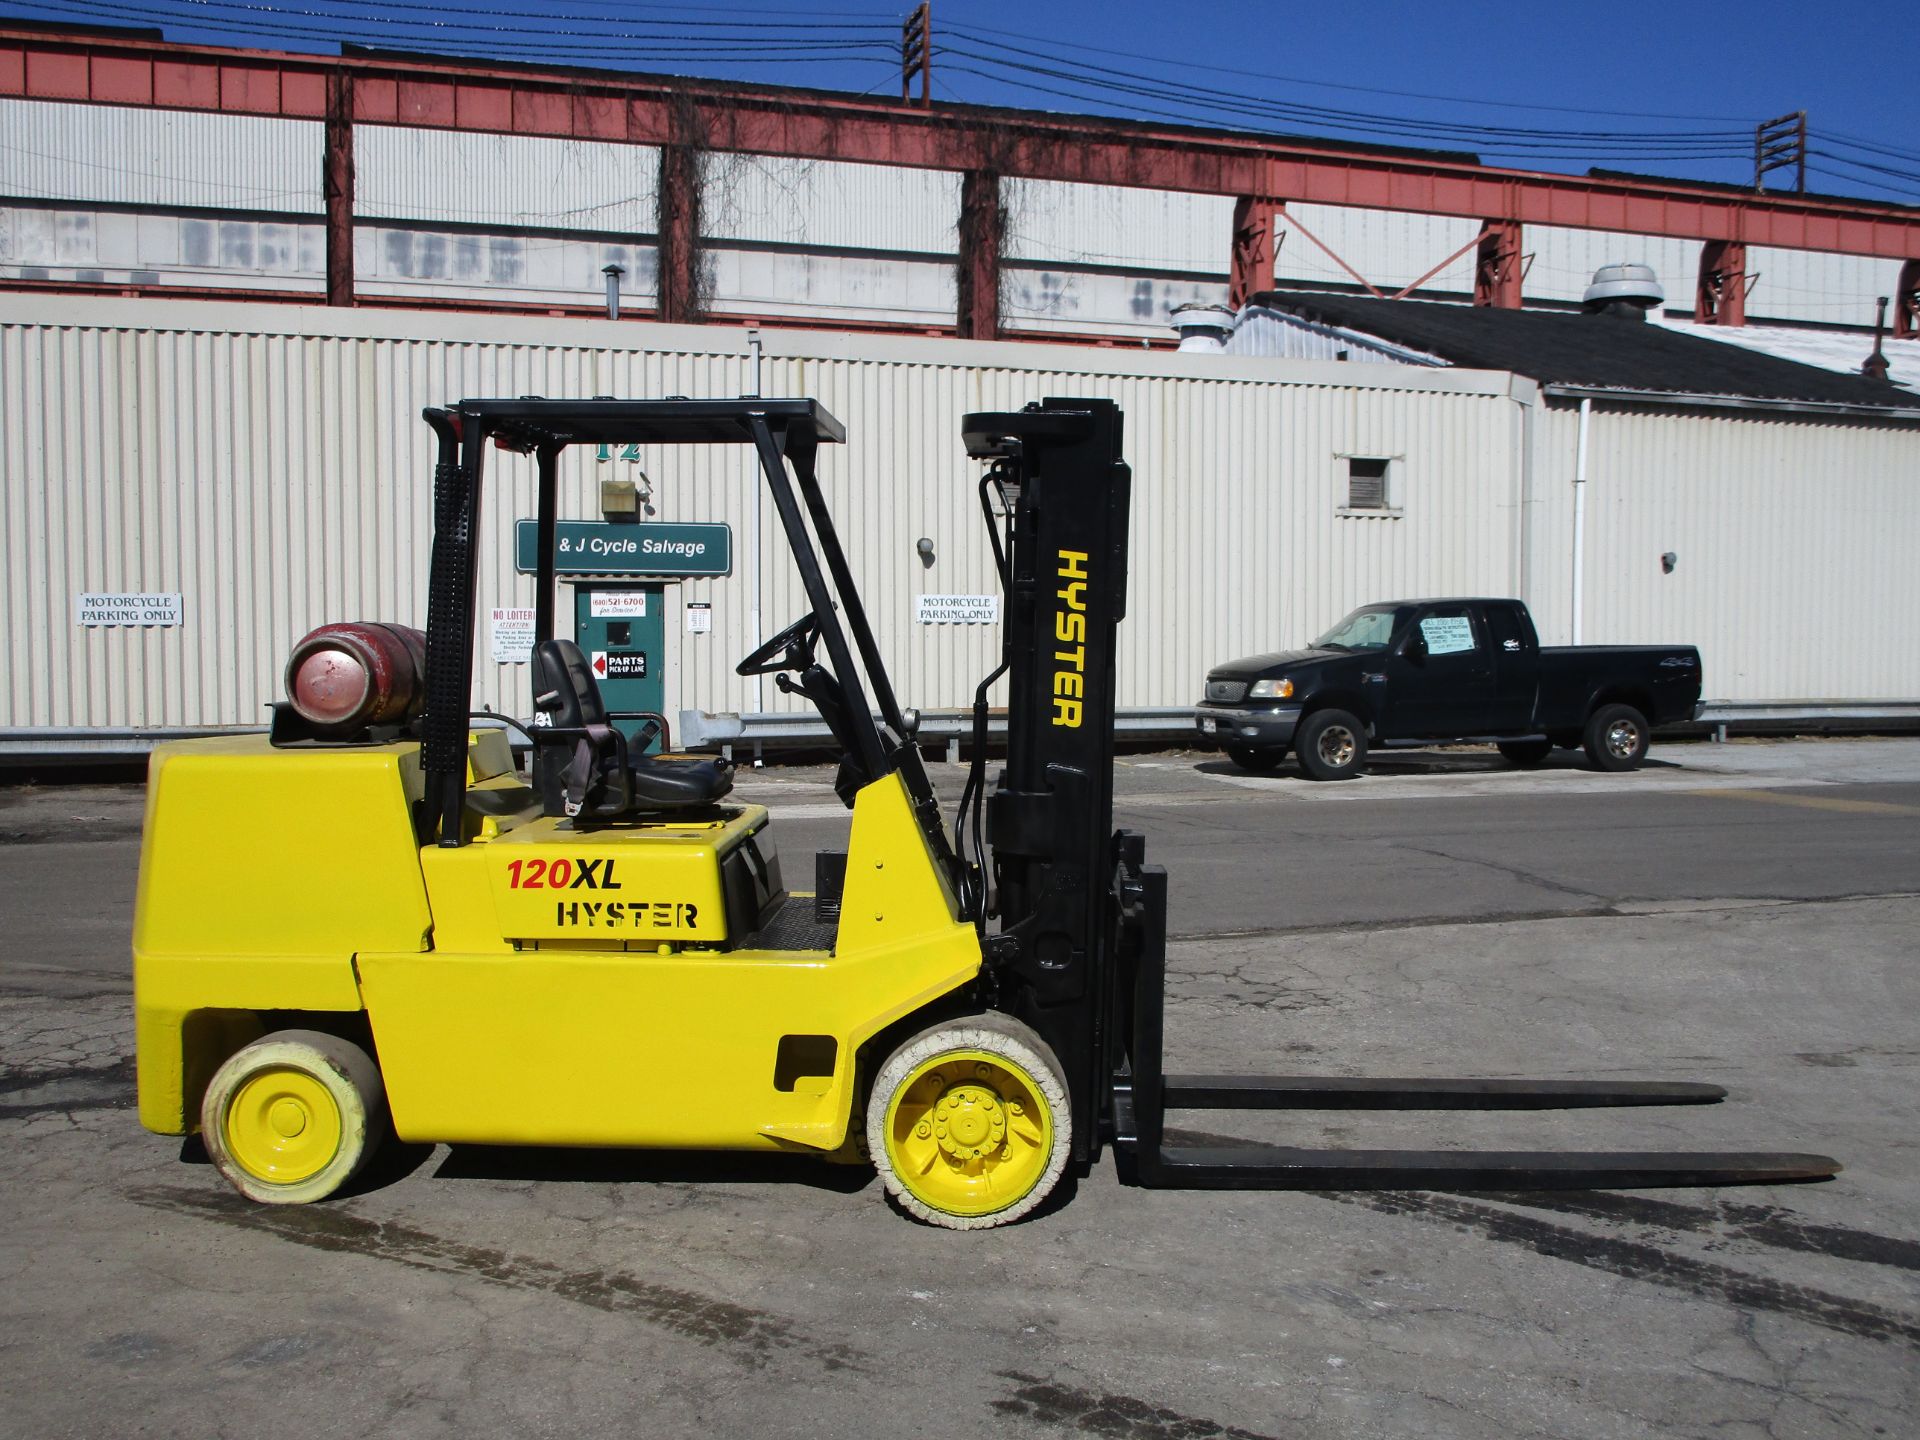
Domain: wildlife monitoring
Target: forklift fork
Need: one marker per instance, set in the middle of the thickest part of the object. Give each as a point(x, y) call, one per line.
point(1143, 1094)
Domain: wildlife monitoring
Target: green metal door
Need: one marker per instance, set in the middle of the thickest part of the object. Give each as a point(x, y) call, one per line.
point(623, 629)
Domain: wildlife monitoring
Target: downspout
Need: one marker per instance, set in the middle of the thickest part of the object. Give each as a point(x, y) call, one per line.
point(1580, 517)
point(1526, 396)
point(759, 507)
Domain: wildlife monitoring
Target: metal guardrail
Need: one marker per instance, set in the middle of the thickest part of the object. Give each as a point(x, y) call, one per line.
point(769, 730)
point(758, 733)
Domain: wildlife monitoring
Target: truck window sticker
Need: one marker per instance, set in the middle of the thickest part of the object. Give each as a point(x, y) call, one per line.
point(1447, 634)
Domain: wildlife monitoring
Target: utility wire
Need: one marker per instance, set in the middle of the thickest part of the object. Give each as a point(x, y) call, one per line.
point(356, 16)
point(1546, 145)
point(1233, 100)
point(806, 39)
point(669, 47)
point(1053, 44)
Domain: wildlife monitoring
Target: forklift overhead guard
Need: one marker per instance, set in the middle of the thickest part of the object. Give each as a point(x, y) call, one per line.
point(605, 952)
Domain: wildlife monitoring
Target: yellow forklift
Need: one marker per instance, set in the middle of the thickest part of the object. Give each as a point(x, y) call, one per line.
point(369, 919)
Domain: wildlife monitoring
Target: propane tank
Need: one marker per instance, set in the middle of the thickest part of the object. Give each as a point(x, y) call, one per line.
point(344, 677)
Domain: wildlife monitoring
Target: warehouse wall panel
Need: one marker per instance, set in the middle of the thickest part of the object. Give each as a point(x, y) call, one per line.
point(269, 464)
point(1792, 542)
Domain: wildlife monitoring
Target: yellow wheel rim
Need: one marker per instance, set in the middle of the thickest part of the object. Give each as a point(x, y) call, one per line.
point(969, 1132)
point(283, 1125)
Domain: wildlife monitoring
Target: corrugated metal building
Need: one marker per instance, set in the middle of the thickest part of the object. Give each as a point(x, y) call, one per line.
point(1755, 506)
point(267, 463)
point(118, 195)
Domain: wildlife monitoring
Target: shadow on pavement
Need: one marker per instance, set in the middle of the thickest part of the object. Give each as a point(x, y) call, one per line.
point(528, 1162)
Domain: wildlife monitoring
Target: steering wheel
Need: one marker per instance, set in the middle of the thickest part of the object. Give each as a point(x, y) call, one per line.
point(791, 649)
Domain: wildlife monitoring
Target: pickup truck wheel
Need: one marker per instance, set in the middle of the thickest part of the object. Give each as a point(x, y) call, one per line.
point(1263, 758)
point(1525, 753)
point(1332, 745)
point(1616, 737)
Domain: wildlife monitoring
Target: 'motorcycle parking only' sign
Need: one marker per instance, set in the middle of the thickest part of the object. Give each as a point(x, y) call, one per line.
point(99, 609)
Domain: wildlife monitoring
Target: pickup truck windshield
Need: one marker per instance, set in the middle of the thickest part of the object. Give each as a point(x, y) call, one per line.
point(1368, 629)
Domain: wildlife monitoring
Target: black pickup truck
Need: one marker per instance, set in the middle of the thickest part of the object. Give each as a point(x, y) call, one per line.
point(1445, 670)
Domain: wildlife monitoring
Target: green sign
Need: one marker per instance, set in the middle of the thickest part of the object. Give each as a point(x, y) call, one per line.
point(595, 547)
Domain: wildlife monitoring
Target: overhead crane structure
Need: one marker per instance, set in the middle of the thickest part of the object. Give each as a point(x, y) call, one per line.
point(1263, 174)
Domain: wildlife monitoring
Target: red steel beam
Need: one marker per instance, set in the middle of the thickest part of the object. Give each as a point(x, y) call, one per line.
point(1252, 267)
point(1906, 302)
point(415, 91)
point(1720, 292)
point(1497, 269)
point(336, 184)
point(982, 235)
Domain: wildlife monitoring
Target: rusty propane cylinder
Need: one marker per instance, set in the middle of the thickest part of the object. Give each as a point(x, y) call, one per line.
point(344, 677)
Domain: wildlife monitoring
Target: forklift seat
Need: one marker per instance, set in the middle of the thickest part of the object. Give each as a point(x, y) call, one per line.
point(603, 780)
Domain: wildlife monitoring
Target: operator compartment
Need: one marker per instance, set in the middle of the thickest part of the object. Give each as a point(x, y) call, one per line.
point(666, 883)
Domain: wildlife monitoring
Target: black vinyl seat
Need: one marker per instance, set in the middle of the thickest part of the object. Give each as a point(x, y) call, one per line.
point(601, 780)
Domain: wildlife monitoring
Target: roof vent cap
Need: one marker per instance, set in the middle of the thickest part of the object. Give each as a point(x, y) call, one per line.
point(1625, 284)
point(1203, 329)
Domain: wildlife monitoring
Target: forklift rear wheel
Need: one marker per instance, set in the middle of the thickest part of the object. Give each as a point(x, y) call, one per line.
point(293, 1116)
point(1258, 758)
point(969, 1124)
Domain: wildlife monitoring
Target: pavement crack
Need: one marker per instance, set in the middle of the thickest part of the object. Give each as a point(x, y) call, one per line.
point(1120, 1417)
point(751, 1336)
point(1640, 1260)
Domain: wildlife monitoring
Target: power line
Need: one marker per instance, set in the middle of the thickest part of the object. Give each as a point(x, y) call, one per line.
point(670, 47)
point(424, 8)
point(1056, 43)
point(1228, 99)
point(356, 21)
point(1538, 144)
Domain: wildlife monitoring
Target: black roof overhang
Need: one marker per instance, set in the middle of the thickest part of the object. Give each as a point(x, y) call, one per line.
point(533, 421)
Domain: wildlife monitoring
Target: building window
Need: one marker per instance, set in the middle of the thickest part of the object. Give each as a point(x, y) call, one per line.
point(1371, 483)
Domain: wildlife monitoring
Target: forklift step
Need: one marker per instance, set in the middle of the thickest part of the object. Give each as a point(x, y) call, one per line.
point(1305, 1092)
point(1263, 1167)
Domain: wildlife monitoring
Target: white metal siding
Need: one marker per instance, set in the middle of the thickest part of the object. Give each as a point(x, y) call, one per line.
point(121, 155)
point(1391, 248)
point(457, 177)
point(1560, 262)
point(1814, 285)
point(830, 204)
point(1793, 540)
point(1066, 223)
point(269, 463)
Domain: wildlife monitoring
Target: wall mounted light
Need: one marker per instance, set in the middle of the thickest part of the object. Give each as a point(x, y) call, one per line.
point(924, 548)
point(1667, 562)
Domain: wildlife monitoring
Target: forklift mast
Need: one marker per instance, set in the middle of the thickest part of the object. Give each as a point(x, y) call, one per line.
point(1064, 492)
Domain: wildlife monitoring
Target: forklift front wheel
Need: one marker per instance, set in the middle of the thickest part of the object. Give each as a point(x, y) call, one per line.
point(970, 1125)
point(293, 1116)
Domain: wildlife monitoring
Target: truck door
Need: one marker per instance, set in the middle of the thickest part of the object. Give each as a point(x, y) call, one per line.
point(1516, 669)
point(1439, 676)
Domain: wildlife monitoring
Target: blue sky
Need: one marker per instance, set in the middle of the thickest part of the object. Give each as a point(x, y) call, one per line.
point(1672, 89)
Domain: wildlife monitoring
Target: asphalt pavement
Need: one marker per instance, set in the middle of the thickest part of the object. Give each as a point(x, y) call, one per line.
point(1743, 914)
